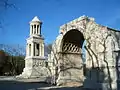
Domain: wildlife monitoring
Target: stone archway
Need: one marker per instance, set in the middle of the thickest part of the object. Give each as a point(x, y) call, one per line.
point(100, 54)
point(70, 63)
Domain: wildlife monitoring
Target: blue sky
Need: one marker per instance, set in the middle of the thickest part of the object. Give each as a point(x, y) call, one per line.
point(53, 14)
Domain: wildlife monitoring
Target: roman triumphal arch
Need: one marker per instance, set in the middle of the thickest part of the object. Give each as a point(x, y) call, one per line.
point(101, 49)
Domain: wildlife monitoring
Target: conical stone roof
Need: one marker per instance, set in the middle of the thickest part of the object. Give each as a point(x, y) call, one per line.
point(35, 19)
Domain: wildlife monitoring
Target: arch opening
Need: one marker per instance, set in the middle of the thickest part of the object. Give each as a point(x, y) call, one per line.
point(73, 42)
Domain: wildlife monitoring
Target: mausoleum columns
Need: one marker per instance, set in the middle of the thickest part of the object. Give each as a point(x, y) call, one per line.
point(30, 29)
point(35, 49)
point(32, 49)
point(29, 49)
point(42, 49)
point(35, 29)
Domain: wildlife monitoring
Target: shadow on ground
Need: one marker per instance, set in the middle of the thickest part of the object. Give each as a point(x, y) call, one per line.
point(16, 85)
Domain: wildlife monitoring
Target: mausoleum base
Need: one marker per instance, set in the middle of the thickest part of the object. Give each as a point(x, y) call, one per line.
point(35, 68)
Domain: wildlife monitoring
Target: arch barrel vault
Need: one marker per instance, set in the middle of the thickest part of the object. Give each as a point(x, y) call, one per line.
point(102, 50)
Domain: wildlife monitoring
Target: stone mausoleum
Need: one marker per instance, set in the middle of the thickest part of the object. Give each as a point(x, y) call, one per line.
point(84, 54)
point(35, 61)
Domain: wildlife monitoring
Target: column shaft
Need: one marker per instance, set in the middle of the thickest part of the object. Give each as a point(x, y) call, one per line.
point(32, 49)
point(27, 50)
point(42, 49)
point(36, 29)
point(30, 29)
